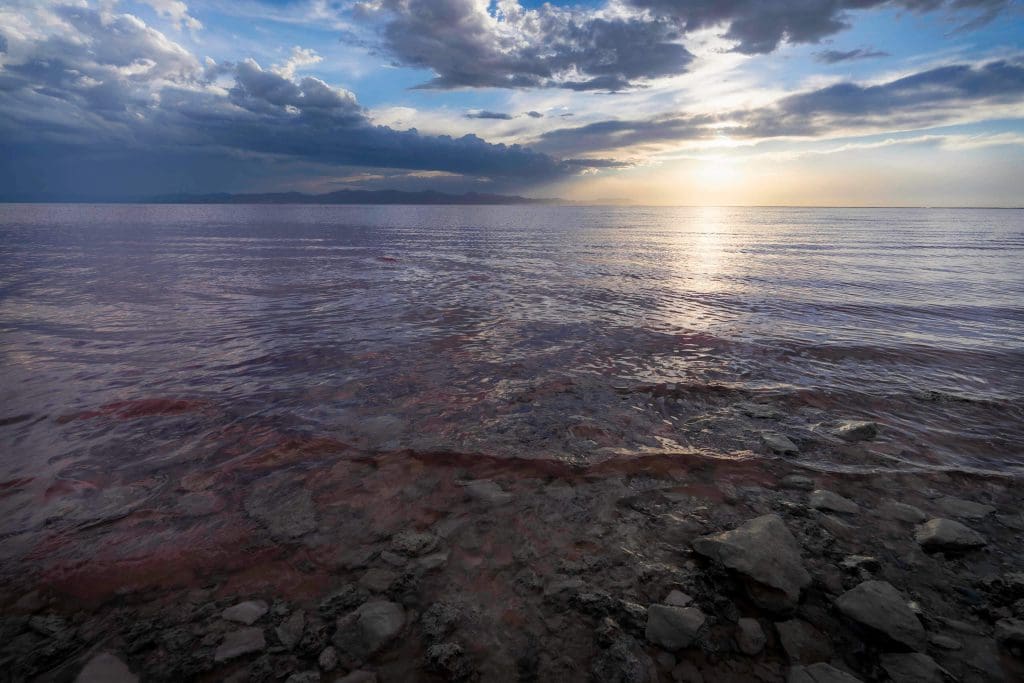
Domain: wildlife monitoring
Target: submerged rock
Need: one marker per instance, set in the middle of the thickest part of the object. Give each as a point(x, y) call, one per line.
point(369, 628)
point(856, 430)
point(901, 512)
point(964, 509)
point(286, 510)
point(241, 642)
point(764, 551)
point(673, 628)
point(881, 608)
point(779, 443)
point(750, 636)
point(947, 535)
point(819, 673)
point(106, 668)
point(833, 502)
point(248, 612)
point(488, 492)
point(797, 482)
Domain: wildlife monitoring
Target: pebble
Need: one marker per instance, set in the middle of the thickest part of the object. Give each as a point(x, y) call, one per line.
point(880, 607)
point(833, 502)
point(241, 642)
point(945, 534)
point(248, 612)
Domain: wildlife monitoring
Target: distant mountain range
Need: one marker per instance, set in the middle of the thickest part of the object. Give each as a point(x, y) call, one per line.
point(351, 197)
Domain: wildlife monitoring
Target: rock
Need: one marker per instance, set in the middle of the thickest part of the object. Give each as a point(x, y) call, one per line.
point(797, 482)
point(450, 661)
point(248, 612)
point(902, 512)
point(49, 625)
point(413, 544)
point(673, 628)
point(369, 628)
point(378, 580)
point(434, 560)
point(394, 559)
point(759, 410)
point(286, 510)
point(860, 564)
point(488, 492)
point(621, 659)
point(778, 443)
point(328, 659)
point(803, 643)
point(819, 673)
point(358, 677)
point(241, 642)
point(912, 667)
point(881, 608)
point(945, 642)
point(947, 535)
point(439, 620)
point(106, 668)
point(1010, 634)
point(687, 672)
point(833, 502)
point(764, 551)
point(342, 600)
point(750, 636)
point(856, 430)
point(677, 598)
point(304, 677)
point(964, 509)
point(290, 630)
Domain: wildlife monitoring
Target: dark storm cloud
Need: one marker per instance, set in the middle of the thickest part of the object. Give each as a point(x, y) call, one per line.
point(760, 26)
point(837, 56)
point(548, 47)
point(922, 99)
point(535, 114)
point(502, 116)
point(111, 86)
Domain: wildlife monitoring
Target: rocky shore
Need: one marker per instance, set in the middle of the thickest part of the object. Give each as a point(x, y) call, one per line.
point(403, 566)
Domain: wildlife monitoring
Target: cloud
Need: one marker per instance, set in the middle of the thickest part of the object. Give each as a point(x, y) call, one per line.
point(836, 56)
point(485, 114)
point(105, 85)
point(176, 11)
point(299, 58)
point(760, 26)
point(919, 100)
point(535, 114)
point(466, 45)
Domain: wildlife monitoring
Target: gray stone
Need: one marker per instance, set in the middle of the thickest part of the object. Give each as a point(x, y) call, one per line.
point(413, 544)
point(764, 551)
point(856, 430)
point(880, 607)
point(328, 659)
point(241, 642)
point(291, 629)
point(248, 612)
point(449, 660)
point(369, 628)
point(964, 509)
point(378, 580)
point(912, 667)
point(797, 482)
point(802, 643)
point(1010, 634)
point(819, 673)
point(759, 410)
point(434, 560)
point(945, 642)
point(488, 492)
point(106, 668)
point(861, 563)
point(677, 598)
point(833, 502)
point(947, 535)
point(901, 512)
point(779, 443)
point(673, 628)
point(358, 677)
point(750, 636)
point(286, 510)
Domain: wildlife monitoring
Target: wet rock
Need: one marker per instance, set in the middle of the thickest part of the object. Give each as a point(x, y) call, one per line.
point(48, 625)
point(912, 667)
point(394, 559)
point(764, 551)
point(880, 607)
point(290, 630)
point(620, 657)
point(106, 668)
point(947, 535)
point(286, 510)
point(369, 628)
point(434, 560)
point(677, 598)
point(328, 659)
point(797, 482)
point(1010, 634)
point(378, 580)
point(819, 673)
point(779, 443)
point(248, 612)
point(487, 491)
point(856, 430)
point(413, 544)
point(673, 628)
point(241, 642)
point(861, 564)
point(964, 509)
point(342, 600)
point(358, 677)
point(802, 643)
point(750, 636)
point(450, 661)
point(761, 411)
point(833, 502)
point(304, 677)
point(901, 512)
point(945, 642)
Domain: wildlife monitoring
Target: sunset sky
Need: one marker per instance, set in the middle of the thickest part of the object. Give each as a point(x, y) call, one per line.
point(813, 102)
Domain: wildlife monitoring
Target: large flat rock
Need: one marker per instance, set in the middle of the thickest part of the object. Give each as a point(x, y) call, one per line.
point(880, 607)
point(947, 535)
point(765, 552)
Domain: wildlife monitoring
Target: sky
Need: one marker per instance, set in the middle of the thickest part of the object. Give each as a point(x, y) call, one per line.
point(665, 102)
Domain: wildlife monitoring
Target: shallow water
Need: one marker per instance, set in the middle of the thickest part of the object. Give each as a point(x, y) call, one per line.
point(136, 337)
